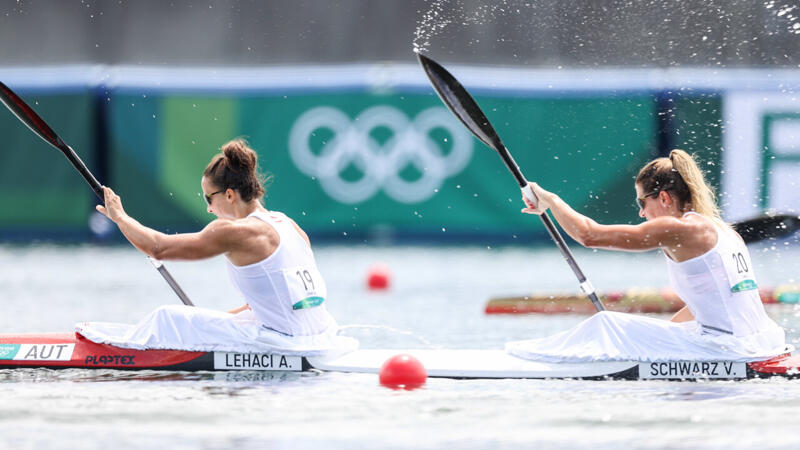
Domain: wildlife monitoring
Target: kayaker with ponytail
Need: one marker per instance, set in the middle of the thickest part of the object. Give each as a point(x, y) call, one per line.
point(269, 261)
point(708, 265)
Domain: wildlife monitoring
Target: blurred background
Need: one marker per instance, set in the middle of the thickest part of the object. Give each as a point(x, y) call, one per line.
point(360, 148)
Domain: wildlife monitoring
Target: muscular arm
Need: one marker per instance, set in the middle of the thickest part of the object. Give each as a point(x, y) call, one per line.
point(656, 233)
point(219, 237)
point(684, 238)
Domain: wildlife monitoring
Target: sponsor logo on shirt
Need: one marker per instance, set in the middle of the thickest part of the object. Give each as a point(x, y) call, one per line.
point(308, 302)
point(745, 285)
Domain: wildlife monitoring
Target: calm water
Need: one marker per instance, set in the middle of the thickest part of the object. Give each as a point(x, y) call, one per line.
point(436, 300)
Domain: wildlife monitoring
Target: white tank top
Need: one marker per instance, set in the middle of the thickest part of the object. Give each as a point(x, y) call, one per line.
point(285, 291)
point(720, 289)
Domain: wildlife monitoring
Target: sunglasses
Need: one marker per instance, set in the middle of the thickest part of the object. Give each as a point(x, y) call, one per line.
point(208, 197)
point(640, 200)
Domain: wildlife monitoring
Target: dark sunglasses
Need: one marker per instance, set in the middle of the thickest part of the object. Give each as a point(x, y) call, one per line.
point(640, 200)
point(208, 197)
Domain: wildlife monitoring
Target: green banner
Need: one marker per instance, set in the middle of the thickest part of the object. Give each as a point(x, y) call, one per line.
point(40, 191)
point(350, 162)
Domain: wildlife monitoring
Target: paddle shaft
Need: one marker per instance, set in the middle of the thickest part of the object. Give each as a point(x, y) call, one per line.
point(585, 285)
point(36, 124)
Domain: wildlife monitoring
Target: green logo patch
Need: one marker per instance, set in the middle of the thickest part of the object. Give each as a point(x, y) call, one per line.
point(309, 302)
point(745, 285)
point(8, 351)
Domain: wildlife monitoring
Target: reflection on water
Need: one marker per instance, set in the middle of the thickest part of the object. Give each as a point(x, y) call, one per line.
point(702, 391)
point(108, 375)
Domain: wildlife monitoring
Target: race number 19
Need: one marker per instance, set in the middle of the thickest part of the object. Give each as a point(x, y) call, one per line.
point(305, 277)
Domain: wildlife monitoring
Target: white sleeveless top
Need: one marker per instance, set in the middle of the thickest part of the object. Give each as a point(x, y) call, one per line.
point(285, 291)
point(720, 289)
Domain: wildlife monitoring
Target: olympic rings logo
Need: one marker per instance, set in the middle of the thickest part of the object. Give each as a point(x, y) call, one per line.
point(381, 163)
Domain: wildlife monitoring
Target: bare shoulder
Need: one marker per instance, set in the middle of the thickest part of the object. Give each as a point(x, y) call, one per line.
point(693, 231)
point(223, 228)
point(241, 231)
point(254, 227)
point(701, 227)
point(696, 233)
point(249, 240)
point(690, 224)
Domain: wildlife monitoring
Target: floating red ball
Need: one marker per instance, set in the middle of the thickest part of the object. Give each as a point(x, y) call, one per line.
point(378, 277)
point(403, 372)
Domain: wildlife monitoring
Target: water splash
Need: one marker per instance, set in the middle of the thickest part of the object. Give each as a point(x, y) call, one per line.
point(443, 13)
point(786, 12)
point(432, 23)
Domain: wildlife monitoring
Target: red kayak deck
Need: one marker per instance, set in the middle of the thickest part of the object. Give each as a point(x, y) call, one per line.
point(786, 365)
point(63, 350)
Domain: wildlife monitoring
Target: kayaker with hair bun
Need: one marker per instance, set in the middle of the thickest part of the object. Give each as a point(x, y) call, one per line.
point(709, 268)
point(269, 261)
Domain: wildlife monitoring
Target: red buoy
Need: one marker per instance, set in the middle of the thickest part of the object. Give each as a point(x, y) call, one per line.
point(378, 277)
point(402, 372)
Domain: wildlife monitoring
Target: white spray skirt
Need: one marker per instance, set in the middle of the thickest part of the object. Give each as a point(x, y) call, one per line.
point(614, 336)
point(179, 327)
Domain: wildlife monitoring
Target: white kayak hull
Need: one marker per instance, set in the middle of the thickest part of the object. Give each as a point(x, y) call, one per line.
point(471, 364)
point(499, 364)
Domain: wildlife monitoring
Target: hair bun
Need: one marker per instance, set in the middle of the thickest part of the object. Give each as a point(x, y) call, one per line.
point(236, 168)
point(239, 155)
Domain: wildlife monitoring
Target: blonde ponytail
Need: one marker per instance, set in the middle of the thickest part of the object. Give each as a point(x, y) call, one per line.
point(680, 175)
point(701, 195)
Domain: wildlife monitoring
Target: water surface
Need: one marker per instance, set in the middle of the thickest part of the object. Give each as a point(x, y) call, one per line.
point(436, 300)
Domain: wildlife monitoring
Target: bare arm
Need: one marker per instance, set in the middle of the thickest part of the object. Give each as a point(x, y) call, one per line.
point(219, 237)
point(240, 309)
point(672, 233)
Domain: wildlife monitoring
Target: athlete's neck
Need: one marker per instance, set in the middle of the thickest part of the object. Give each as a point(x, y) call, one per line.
point(243, 210)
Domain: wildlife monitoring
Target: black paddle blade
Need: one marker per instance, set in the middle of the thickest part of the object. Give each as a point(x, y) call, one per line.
point(766, 227)
point(460, 102)
point(32, 120)
point(29, 117)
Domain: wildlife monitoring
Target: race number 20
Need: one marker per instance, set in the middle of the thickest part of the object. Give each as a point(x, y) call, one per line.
point(740, 262)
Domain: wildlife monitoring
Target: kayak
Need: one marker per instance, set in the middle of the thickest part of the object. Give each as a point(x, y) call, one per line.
point(71, 350)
